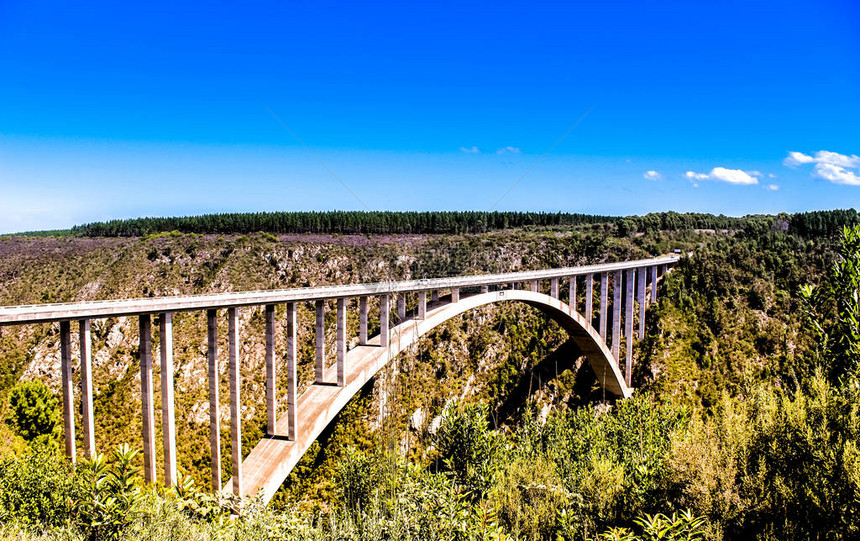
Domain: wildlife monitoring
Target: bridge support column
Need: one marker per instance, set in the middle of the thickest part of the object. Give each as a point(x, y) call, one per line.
point(292, 414)
point(168, 416)
point(485, 289)
point(362, 321)
point(214, 400)
point(146, 399)
point(341, 341)
point(553, 288)
point(235, 397)
point(572, 294)
point(535, 286)
point(87, 389)
point(616, 315)
point(434, 296)
point(422, 304)
point(589, 291)
point(628, 326)
point(640, 298)
point(320, 341)
point(604, 301)
point(68, 389)
point(401, 307)
point(271, 373)
point(653, 272)
point(383, 321)
point(455, 295)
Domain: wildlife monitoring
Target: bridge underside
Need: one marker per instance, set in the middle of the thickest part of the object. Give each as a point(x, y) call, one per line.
point(270, 462)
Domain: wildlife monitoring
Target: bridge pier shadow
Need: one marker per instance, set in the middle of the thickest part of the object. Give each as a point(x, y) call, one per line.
point(568, 356)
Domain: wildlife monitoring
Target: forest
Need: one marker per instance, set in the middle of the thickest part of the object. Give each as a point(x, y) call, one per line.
point(431, 222)
point(745, 423)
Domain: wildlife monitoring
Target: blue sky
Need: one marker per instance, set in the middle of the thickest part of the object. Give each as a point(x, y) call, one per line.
point(114, 110)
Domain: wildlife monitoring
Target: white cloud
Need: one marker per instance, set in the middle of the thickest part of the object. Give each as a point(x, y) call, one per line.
point(771, 187)
point(771, 175)
point(721, 174)
point(652, 175)
point(836, 174)
point(797, 158)
point(823, 156)
point(834, 158)
point(831, 166)
point(755, 173)
point(732, 176)
point(471, 150)
point(508, 150)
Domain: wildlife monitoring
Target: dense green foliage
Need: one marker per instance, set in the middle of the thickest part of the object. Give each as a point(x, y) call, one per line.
point(453, 222)
point(823, 222)
point(535, 491)
point(352, 222)
point(35, 490)
point(833, 310)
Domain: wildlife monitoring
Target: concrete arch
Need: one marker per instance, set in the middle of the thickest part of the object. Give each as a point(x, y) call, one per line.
point(270, 462)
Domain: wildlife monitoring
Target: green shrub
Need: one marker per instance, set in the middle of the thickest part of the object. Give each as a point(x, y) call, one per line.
point(39, 489)
point(113, 494)
point(467, 449)
point(777, 465)
point(358, 478)
point(678, 527)
point(529, 497)
point(34, 410)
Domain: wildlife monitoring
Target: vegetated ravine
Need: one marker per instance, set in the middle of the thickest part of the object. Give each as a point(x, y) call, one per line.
point(492, 416)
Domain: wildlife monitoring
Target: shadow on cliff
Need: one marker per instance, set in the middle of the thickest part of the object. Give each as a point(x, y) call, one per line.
point(544, 377)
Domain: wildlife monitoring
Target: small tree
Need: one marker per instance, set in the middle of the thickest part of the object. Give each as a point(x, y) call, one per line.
point(467, 447)
point(34, 410)
point(833, 312)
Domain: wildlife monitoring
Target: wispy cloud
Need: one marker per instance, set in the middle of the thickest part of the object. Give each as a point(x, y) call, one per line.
point(471, 150)
point(772, 187)
point(730, 176)
point(652, 175)
point(823, 156)
point(831, 166)
point(508, 150)
point(836, 174)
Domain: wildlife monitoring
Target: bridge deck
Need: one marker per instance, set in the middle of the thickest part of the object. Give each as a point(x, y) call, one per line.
point(18, 315)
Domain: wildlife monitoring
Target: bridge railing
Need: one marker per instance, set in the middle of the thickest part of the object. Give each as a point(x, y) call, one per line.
point(42, 313)
point(629, 278)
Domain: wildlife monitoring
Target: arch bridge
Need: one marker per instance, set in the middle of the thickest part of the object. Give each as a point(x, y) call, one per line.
point(306, 416)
